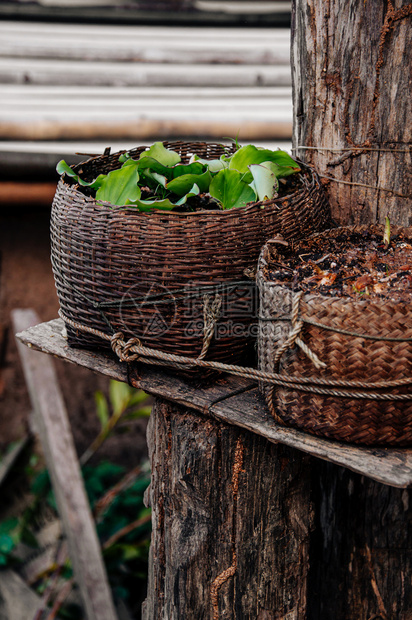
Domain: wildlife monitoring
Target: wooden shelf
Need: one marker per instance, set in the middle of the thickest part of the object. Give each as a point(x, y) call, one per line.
point(232, 400)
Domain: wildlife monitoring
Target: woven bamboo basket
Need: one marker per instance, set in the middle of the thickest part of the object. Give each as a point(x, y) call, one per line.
point(150, 274)
point(362, 395)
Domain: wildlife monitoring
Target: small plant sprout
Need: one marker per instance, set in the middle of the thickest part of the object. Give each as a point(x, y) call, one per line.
point(387, 232)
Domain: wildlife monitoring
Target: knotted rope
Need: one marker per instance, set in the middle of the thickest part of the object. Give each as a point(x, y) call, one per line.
point(294, 336)
point(132, 350)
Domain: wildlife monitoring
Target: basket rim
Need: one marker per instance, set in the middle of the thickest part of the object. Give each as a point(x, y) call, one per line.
point(130, 209)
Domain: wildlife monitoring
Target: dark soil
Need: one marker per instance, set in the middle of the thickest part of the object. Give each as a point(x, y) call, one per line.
point(351, 264)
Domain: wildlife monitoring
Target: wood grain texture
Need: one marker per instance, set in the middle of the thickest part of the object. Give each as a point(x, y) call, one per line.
point(231, 522)
point(53, 427)
point(218, 399)
point(17, 599)
point(351, 78)
point(361, 561)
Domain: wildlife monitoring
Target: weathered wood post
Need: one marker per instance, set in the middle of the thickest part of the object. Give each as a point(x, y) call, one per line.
point(231, 522)
point(351, 74)
point(351, 66)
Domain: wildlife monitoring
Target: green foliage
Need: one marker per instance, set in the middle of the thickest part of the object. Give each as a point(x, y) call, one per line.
point(122, 521)
point(248, 175)
point(10, 535)
point(230, 190)
point(265, 183)
point(120, 186)
point(249, 155)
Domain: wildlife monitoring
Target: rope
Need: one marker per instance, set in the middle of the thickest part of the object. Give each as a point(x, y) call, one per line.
point(353, 150)
point(349, 149)
point(211, 313)
point(293, 337)
point(345, 332)
point(132, 350)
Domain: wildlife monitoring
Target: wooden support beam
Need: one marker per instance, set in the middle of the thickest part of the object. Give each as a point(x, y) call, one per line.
point(231, 521)
point(55, 435)
point(26, 193)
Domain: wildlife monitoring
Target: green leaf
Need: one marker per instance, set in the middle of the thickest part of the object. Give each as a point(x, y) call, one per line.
point(143, 412)
point(148, 165)
point(137, 397)
point(8, 525)
point(265, 183)
point(64, 168)
point(6, 543)
point(119, 396)
point(161, 154)
point(229, 188)
point(102, 408)
point(249, 155)
point(387, 232)
point(148, 205)
point(195, 168)
point(214, 165)
point(184, 184)
point(120, 186)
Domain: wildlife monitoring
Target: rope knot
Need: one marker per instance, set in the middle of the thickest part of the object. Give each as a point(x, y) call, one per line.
point(125, 350)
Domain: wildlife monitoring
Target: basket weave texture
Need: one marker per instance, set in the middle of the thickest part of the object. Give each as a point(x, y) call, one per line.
point(119, 269)
point(359, 420)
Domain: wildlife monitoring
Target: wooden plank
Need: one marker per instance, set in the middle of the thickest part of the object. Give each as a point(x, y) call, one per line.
point(51, 71)
point(391, 466)
point(26, 193)
point(148, 13)
point(33, 112)
point(17, 600)
point(9, 460)
point(177, 45)
point(57, 442)
point(142, 130)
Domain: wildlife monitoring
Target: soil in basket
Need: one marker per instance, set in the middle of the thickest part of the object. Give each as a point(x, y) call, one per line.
point(352, 264)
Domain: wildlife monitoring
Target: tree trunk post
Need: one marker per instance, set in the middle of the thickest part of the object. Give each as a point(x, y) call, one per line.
point(351, 75)
point(231, 522)
point(351, 71)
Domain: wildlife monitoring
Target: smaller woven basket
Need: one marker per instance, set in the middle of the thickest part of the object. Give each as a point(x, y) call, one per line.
point(148, 274)
point(363, 394)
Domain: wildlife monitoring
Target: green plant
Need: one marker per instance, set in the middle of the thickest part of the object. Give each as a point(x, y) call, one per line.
point(123, 523)
point(158, 179)
point(125, 404)
point(387, 232)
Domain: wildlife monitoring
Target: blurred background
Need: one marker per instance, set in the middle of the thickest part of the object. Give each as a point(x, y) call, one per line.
point(77, 76)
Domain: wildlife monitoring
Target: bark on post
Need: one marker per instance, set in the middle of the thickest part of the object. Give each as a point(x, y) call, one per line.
point(360, 556)
point(351, 71)
point(231, 522)
point(351, 76)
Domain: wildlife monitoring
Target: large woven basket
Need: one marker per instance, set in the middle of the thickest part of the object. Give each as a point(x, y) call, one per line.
point(366, 346)
point(150, 274)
